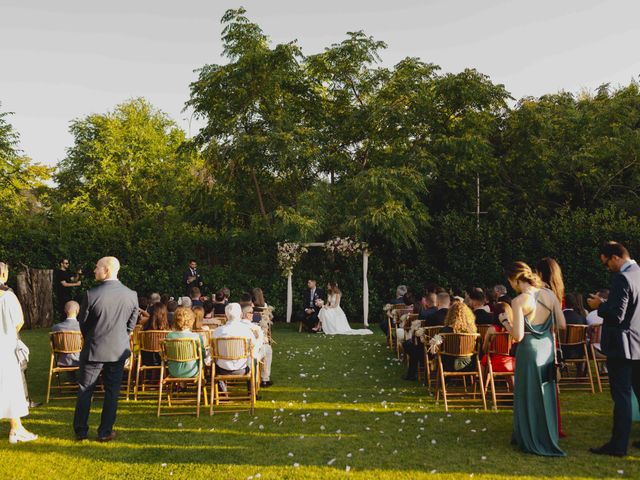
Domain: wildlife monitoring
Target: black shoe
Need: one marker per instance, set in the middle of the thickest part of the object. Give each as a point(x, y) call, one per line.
point(606, 450)
point(266, 384)
point(108, 438)
point(81, 438)
point(411, 379)
point(33, 404)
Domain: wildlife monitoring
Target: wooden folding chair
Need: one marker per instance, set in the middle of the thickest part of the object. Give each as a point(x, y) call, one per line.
point(429, 367)
point(501, 344)
point(459, 345)
point(239, 388)
point(483, 329)
point(206, 337)
point(150, 341)
point(576, 336)
point(393, 322)
point(65, 342)
point(181, 350)
point(599, 358)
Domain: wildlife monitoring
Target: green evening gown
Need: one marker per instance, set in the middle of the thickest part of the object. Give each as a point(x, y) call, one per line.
point(535, 414)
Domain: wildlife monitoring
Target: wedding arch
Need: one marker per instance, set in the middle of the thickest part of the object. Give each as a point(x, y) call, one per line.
point(290, 253)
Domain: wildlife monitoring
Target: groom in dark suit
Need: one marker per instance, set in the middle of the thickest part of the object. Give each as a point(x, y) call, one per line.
point(311, 310)
point(107, 316)
point(620, 342)
point(191, 278)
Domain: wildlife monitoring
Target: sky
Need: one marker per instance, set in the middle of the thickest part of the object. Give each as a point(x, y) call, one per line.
point(65, 59)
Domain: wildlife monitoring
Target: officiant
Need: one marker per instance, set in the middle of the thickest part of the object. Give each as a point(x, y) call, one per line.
point(311, 309)
point(191, 278)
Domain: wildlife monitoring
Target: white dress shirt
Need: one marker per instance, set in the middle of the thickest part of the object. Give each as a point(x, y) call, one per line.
point(234, 328)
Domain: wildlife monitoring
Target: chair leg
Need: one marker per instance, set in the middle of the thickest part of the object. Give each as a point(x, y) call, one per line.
point(588, 362)
point(484, 399)
point(443, 384)
point(160, 390)
point(593, 354)
point(135, 388)
point(198, 395)
point(50, 378)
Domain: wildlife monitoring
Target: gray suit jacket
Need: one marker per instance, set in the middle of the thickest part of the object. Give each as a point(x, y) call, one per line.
point(621, 316)
point(107, 315)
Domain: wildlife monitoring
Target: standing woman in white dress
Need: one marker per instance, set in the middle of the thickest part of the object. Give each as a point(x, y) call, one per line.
point(333, 320)
point(13, 402)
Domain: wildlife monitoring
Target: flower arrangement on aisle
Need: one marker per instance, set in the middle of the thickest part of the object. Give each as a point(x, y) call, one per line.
point(346, 246)
point(289, 254)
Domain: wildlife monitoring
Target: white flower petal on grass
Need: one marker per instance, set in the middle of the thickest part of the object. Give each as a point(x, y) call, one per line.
point(621, 472)
point(163, 465)
point(433, 442)
point(180, 424)
point(467, 422)
point(258, 475)
point(296, 465)
point(331, 462)
point(347, 468)
point(290, 454)
point(434, 471)
point(349, 455)
point(483, 457)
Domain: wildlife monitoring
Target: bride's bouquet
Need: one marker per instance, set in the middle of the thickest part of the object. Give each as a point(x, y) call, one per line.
point(319, 303)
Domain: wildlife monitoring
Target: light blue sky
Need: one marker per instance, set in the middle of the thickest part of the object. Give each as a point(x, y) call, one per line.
point(64, 59)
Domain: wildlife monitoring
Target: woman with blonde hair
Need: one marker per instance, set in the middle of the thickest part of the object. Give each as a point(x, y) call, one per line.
point(459, 319)
point(535, 413)
point(13, 401)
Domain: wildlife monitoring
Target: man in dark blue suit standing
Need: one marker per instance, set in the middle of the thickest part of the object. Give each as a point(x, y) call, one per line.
point(107, 316)
point(620, 341)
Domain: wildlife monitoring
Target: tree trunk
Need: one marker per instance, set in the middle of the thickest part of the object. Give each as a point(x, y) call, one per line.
point(34, 289)
point(258, 192)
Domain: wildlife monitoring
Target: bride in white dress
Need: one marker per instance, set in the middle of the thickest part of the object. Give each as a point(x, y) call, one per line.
point(333, 321)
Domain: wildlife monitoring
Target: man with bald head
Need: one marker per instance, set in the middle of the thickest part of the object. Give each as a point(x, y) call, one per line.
point(107, 316)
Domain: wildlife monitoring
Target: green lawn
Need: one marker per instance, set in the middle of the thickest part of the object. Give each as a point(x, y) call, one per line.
point(338, 409)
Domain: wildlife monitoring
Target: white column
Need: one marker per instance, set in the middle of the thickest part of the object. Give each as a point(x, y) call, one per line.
point(365, 288)
point(289, 297)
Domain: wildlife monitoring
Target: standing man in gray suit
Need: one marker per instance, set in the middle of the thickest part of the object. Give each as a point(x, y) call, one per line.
point(107, 316)
point(620, 342)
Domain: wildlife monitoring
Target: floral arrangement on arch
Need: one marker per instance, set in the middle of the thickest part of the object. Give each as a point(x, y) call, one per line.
point(346, 246)
point(289, 254)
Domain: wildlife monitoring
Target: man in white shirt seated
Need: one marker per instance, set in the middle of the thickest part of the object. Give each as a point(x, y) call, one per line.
point(71, 310)
point(233, 328)
point(592, 317)
point(262, 350)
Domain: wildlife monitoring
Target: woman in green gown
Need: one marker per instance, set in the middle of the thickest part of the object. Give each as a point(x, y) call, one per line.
point(535, 312)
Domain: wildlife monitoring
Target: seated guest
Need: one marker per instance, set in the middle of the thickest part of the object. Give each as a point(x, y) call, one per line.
point(143, 314)
point(153, 299)
point(592, 317)
point(183, 320)
point(208, 309)
point(172, 305)
point(262, 350)
point(199, 317)
point(164, 298)
point(259, 303)
point(158, 321)
point(219, 303)
point(460, 319)
point(246, 300)
point(500, 294)
point(443, 300)
point(195, 297)
point(398, 300)
point(477, 302)
point(499, 363)
point(574, 314)
point(233, 328)
point(71, 324)
point(185, 302)
point(428, 305)
point(227, 295)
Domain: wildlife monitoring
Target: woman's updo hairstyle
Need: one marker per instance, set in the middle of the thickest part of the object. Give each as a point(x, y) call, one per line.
point(520, 271)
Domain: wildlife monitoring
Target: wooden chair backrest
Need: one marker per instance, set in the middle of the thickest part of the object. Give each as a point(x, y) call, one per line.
point(221, 317)
point(430, 332)
point(459, 344)
point(206, 336)
point(231, 348)
point(483, 329)
point(595, 331)
point(501, 343)
point(150, 340)
point(180, 349)
point(66, 341)
point(574, 335)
